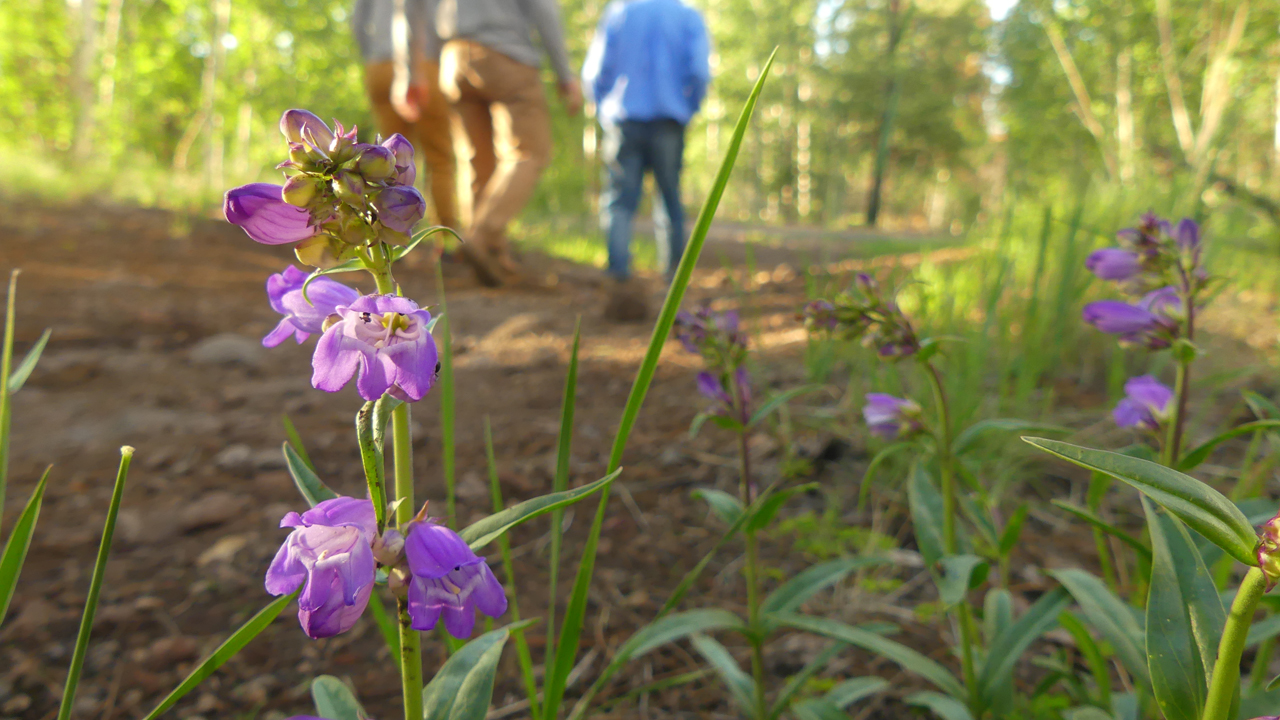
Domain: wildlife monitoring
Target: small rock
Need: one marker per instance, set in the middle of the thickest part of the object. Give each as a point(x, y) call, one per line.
point(256, 691)
point(169, 651)
point(207, 703)
point(227, 349)
point(224, 550)
point(471, 488)
point(212, 509)
point(16, 704)
point(138, 528)
point(237, 459)
point(268, 459)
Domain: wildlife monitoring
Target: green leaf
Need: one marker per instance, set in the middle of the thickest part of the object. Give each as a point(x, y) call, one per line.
point(793, 593)
point(1013, 529)
point(854, 689)
point(1201, 507)
point(1180, 648)
point(312, 489)
point(723, 505)
point(371, 456)
point(797, 682)
point(777, 400)
point(944, 706)
point(95, 586)
point(741, 687)
point(485, 531)
point(1261, 406)
point(1111, 617)
point(1192, 460)
point(19, 376)
point(969, 438)
point(15, 549)
point(1093, 656)
point(764, 513)
point(864, 490)
point(225, 652)
point(909, 659)
point(294, 439)
point(463, 688)
point(817, 709)
point(1105, 527)
point(1274, 684)
point(1088, 712)
point(960, 573)
point(997, 614)
point(397, 253)
point(560, 483)
point(926, 514)
point(1003, 655)
point(334, 700)
point(1264, 629)
point(575, 613)
point(676, 626)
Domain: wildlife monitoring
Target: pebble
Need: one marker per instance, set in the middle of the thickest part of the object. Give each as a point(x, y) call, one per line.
point(227, 349)
point(209, 510)
point(237, 459)
point(171, 650)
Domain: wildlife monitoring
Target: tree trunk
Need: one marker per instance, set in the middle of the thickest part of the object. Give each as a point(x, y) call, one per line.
point(208, 86)
point(81, 80)
point(1124, 115)
point(1084, 105)
point(110, 46)
point(897, 21)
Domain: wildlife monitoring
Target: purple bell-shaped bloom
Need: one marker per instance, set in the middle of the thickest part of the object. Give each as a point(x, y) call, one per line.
point(406, 170)
point(1147, 403)
point(1115, 317)
point(260, 210)
point(711, 387)
point(329, 555)
point(400, 208)
point(303, 126)
point(1187, 235)
point(449, 579)
point(1113, 264)
point(1165, 304)
point(301, 318)
point(385, 338)
point(890, 417)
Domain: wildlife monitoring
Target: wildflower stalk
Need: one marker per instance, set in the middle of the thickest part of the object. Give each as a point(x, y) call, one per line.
point(1182, 385)
point(752, 577)
point(1226, 669)
point(402, 454)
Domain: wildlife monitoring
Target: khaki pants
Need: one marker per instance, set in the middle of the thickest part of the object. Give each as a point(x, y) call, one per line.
point(430, 136)
point(504, 130)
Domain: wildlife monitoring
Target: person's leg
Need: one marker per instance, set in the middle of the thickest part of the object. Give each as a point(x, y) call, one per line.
point(436, 139)
point(522, 145)
point(377, 84)
point(624, 168)
point(666, 156)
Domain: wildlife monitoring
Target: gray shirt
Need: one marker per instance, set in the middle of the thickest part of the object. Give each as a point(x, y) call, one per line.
point(507, 26)
point(373, 20)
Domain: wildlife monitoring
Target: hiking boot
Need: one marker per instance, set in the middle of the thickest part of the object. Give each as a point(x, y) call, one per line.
point(478, 259)
point(628, 302)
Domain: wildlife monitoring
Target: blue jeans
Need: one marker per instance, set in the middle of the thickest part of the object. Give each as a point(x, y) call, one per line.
point(630, 149)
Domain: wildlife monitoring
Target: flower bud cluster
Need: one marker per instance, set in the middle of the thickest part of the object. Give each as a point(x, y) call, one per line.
point(891, 417)
point(865, 314)
point(1268, 550)
point(719, 339)
point(340, 194)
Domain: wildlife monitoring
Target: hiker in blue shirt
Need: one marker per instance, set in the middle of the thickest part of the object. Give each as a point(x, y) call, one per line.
point(647, 72)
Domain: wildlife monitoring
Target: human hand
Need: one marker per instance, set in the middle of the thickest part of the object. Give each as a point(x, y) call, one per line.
point(571, 96)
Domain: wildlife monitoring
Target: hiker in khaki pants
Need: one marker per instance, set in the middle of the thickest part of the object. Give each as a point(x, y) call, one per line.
point(489, 71)
point(422, 116)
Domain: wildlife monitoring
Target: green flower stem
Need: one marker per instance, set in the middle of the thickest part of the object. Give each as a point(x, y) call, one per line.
point(964, 616)
point(1226, 670)
point(6, 367)
point(1182, 387)
point(945, 461)
point(753, 581)
point(402, 452)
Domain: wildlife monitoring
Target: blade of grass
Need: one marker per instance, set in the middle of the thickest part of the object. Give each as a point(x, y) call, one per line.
point(386, 624)
point(95, 587)
point(508, 567)
point(6, 368)
point(576, 612)
point(225, 652)
point(447, 412)
point(295, 440)
point(15, 550)
point(559, 484)
point(28, 364)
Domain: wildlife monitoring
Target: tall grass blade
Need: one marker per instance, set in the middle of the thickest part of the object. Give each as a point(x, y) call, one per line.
point(448, 412)
point(6, 368)
point(225, 652)
point(295, 440)
point(387, 626)
point(15, 550)
point(508, 567)
point(560, 484)
point(576, 612)
point(95, 587)
point(28, 364)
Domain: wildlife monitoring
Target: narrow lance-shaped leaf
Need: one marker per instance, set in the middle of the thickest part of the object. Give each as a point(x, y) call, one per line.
point(485, 531)
point(458, 690)
point(1201, 507)
point(334, 700)
point(560, 483)
point(28, 364)
point(1041, 617)
point(374, 465)
point(1105, 527)
point(15, 549)
point(740, 685)
point(313, 490)
point(1111, 617)
point(575, 614)
point(225, 652)
point(1193, 459)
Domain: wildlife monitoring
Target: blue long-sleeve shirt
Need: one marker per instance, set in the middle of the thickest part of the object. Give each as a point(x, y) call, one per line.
point(648, 61)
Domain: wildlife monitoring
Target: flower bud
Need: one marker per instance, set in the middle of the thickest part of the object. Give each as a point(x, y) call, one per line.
point(865, 283)
point(891, 417)
point(389, 549)
point(301, 126)
point(349, 188)
point(300, 190)
point(375, 163)
point(400, 208)
point(406, 171)
point(1268, 551)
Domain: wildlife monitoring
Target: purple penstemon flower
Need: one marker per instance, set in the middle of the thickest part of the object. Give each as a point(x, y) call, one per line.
point(714, 388)
point(1146, 405)
point(301, 318)
point(820, 315)
point(260, 210)
point(1152, 323)
point(329, 555)
point(406, 170)
point(890, 417)
point(400, 208)
point(1113, 264)
point(1268, 554)
point(385, 338)
point(447, 578)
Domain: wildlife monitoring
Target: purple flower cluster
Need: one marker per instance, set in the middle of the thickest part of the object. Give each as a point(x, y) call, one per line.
point(1154, 322)
point(719, 339)
point(867, 315)
point(891, 417)
point(340, 193)
point(331, 555)
point(1147, 404)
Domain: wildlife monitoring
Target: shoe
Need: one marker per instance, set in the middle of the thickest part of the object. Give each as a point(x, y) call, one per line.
point(628, 302)
point(479, 261)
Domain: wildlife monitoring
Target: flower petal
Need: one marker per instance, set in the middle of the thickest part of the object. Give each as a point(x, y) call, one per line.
point(335, 360)
point(265, 216)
